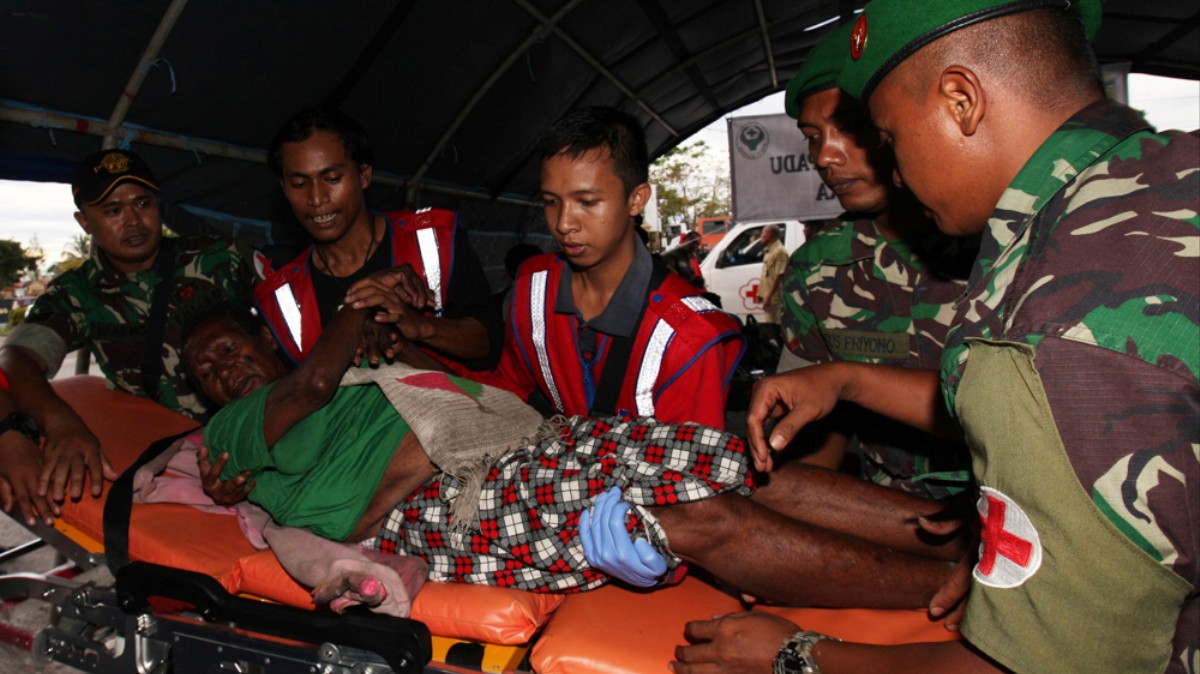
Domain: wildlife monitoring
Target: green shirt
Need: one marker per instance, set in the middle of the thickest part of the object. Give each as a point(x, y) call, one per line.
point(323, 472)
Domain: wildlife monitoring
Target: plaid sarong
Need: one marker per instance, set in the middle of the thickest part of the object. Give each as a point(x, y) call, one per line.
point(526, 534)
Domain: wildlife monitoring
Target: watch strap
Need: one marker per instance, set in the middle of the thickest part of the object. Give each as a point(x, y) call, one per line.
point(21, 423)
point(795, 655)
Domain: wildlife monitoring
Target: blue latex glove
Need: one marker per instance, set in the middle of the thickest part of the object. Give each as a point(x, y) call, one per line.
point(608, 547)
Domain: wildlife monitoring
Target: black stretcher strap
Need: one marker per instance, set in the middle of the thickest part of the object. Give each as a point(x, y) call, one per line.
point(119, 505)
point(616, 365)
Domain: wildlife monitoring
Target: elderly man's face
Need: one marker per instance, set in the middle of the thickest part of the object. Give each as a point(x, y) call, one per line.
point(228, 364)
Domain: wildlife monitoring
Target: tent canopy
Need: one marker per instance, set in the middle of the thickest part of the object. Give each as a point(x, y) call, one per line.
point(454, 95)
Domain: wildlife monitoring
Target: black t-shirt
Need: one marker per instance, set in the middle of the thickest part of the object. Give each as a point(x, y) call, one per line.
point(467, 296)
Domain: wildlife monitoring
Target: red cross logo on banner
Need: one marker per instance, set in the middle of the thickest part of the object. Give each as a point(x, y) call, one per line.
point(1010, 550)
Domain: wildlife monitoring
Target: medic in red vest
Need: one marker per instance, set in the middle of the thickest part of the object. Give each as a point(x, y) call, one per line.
point(324, 165)
point(601, 328)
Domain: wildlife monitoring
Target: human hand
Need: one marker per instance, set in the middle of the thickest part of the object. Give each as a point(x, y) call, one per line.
point(69, 454)
point(222, 492)
point(20, 467)
point(379, 341)
point(739, 643)
point(403, 283)
point(950, 601)
point(608, 547)
point(795, 398)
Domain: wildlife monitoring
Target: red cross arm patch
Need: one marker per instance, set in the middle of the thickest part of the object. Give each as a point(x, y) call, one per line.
point(1010, 550)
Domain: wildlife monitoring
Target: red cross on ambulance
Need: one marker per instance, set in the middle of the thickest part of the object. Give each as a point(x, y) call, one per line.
point(1010, 550)
point(749, 292)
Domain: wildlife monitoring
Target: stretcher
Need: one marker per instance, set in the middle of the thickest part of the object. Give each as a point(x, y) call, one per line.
point(197, 597)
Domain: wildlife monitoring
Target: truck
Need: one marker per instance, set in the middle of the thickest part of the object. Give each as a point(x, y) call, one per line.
point(733, 267)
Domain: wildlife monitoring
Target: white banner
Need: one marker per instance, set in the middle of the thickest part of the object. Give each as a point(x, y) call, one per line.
point(771, 173)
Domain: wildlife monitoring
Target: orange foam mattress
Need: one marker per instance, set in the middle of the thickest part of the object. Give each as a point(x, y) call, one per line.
point(183, 537)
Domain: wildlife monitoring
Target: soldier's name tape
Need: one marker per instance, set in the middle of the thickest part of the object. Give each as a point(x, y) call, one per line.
point(862, 344)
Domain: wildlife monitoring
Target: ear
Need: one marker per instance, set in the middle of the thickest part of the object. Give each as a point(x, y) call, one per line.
point(83, 222)
point(364, 175)
point(268, 337)
point(638, 199)
point(961, 92)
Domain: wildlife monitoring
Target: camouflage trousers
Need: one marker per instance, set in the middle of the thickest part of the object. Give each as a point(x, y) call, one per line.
point(526, 534)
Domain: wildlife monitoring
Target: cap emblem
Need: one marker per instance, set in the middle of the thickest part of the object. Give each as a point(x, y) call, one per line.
point(113, 162)
point(858, 38)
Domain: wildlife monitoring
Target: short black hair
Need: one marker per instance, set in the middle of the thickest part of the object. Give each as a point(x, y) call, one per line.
point(308, 121)
point(594, 128)
point(241, 315)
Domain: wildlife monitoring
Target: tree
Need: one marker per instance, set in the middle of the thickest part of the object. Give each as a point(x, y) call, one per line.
point(691, 184)
point(14, 262)
point(81, 247)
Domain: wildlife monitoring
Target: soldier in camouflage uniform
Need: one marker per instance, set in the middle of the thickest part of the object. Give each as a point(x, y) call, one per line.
point(1073, 362)
point(104, 306)
point(877, 287)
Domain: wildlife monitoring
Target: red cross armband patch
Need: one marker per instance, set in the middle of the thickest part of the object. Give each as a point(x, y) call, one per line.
point(1010, 550)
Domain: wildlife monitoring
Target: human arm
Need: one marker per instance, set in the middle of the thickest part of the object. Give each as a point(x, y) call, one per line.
point(774, 288)
point(20, 468)
point(747, 643)
point(800, 397)
point(469, 329)
point(70, 452)
point(314, 381)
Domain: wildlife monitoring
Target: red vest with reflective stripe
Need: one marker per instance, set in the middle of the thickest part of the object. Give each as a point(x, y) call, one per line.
point(678, 328)
point(424, 239)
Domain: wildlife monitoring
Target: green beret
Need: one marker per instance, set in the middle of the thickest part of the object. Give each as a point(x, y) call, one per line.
point(820, 69)
point(889, 31)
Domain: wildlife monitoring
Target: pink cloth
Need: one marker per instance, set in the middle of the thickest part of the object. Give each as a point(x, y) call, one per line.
point(341, 574)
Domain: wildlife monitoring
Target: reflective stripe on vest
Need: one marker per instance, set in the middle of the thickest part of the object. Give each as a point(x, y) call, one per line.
point(430, 258)
point(537, 318)
point(290, 308)
point(652, 358)
point(699, 304)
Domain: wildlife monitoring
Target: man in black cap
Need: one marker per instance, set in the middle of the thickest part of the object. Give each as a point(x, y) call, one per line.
point(1072, 363)
point(117, 306)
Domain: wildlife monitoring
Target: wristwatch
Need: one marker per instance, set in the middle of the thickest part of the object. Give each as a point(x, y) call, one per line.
point(795, 656)
point(21, 423)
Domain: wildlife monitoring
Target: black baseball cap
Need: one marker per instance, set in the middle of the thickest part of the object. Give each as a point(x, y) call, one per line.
point(102, 171)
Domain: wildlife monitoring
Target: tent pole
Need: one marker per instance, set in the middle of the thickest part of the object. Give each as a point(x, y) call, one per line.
point(598, 66)
point(766, 38)
point(117, 118)
point(480, 92)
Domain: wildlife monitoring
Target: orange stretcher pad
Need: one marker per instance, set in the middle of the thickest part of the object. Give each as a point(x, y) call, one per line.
point(612, 630)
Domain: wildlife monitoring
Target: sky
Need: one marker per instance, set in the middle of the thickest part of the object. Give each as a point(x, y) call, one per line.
point(42, 213)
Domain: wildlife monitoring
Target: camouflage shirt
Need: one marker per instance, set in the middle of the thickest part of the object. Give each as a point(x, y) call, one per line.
point(851, 294)
point(106, 311)
point(1092, 256)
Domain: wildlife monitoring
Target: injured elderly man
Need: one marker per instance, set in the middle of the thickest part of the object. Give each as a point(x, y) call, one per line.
point(400, 463)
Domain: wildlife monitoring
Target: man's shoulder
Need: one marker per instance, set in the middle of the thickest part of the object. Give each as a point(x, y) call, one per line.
point(681, 306)
point(831, 245)
point(425, 218)
point(540, 263)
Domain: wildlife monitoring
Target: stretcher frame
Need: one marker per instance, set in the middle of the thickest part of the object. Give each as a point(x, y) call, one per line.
point(155, 618)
